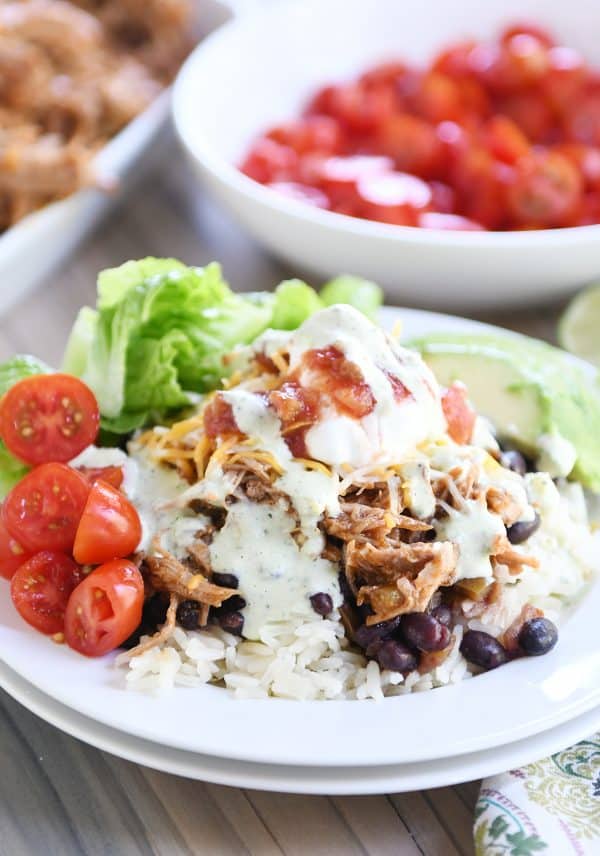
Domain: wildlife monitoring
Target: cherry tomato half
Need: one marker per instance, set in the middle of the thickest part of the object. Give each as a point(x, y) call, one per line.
point(109, 528)
point(105, 609)
point(12, 554)
point(113, 475)
point(41, 587)
point(51, 417)
point(43, 510)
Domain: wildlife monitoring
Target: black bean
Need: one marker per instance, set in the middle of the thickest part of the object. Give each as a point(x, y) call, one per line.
point(482, 649)
point(134, 639)
point(232, 622)
point(321, 603)
point(538, 636)
point(366, 634)
point(232, 604)
point(443, 613)
point(522, 530)
point(188, 614)
point(345, 588)
point(225, 580)
point(155, 609)
point(396, 657)
point(424, 632)
point(514, 461)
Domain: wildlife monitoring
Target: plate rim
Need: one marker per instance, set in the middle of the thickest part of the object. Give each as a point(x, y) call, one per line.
point(398, 778)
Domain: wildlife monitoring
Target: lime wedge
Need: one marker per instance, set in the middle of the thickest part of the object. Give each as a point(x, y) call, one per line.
point(579, 326)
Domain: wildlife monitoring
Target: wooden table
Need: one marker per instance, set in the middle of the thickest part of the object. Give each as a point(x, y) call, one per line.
point(61, 797)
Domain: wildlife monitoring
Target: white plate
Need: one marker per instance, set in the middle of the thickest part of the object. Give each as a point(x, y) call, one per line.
point(261, 69)
point(521, 699)
point(304, 780)
point(35, 245)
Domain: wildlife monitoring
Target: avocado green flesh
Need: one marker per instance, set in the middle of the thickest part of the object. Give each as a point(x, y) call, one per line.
point(526, 388)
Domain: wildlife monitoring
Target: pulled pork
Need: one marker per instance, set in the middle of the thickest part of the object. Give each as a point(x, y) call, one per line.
point(399, 578)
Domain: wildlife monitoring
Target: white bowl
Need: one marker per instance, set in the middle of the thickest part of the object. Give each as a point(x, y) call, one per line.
point(261, 68)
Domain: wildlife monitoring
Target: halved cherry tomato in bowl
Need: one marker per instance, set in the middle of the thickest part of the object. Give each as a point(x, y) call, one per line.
point(12, 553)
point(50, 417)
point(41, 588)
point(105, 609)
point(109, 528)
point(43, 510)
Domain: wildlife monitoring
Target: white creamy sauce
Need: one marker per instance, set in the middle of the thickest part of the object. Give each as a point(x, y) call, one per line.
point(276, 577)
point(393, 429)
point(416, 487)
point(156, 490)
point(474, 529)
point(556, 456)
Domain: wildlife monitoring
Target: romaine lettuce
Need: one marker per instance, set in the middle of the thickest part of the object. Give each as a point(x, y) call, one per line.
point(161, 330)
point(13, 370)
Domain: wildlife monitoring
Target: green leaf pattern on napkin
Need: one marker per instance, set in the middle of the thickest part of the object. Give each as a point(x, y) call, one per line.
point(549, 807)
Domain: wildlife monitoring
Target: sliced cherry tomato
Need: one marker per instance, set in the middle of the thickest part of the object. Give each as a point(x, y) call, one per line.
point(439, 98)
point(338, 176)
point(109, 528)
point(530, 113)
point(583, 120)
point(526, 28)
point(270, 161)
point(393, 197)
point(310, 134)
point(43, 510)
point(547, 191)
point(360, 108)
point(505, 140)
point(41, 588)
point(522, 61)
point(12, 554)
point(105, 609)
point(459, 414)
point(113, 475)
point(412, 143)
point(51, 417)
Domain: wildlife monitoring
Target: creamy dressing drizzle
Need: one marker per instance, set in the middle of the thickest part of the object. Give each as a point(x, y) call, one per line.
point(474, 529)
point(276, 577)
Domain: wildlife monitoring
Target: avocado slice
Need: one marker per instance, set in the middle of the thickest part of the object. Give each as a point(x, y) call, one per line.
point(527, 389)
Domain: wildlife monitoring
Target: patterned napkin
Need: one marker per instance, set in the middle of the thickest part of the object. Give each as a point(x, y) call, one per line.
point(550, 808)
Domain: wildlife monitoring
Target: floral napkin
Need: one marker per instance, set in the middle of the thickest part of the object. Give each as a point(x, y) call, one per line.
point(550, 808)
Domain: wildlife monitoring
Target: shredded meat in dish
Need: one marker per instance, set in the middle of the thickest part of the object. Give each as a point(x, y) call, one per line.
point(166, 573)
point(71, 76)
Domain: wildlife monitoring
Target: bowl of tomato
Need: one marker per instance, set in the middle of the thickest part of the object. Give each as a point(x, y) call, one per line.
point(455, 158)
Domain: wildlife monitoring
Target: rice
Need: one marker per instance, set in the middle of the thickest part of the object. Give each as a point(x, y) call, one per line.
point(313, 660)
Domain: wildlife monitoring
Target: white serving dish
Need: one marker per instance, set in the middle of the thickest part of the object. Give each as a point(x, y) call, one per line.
point(34, 246)
point(261, 67)
point(522, 699)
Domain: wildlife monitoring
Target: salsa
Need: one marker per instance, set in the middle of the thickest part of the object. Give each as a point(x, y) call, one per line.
point(498, 135)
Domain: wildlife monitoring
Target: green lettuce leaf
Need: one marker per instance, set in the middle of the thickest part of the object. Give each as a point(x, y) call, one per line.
point(161, 330)
point(20, 366)
point(361, 293)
